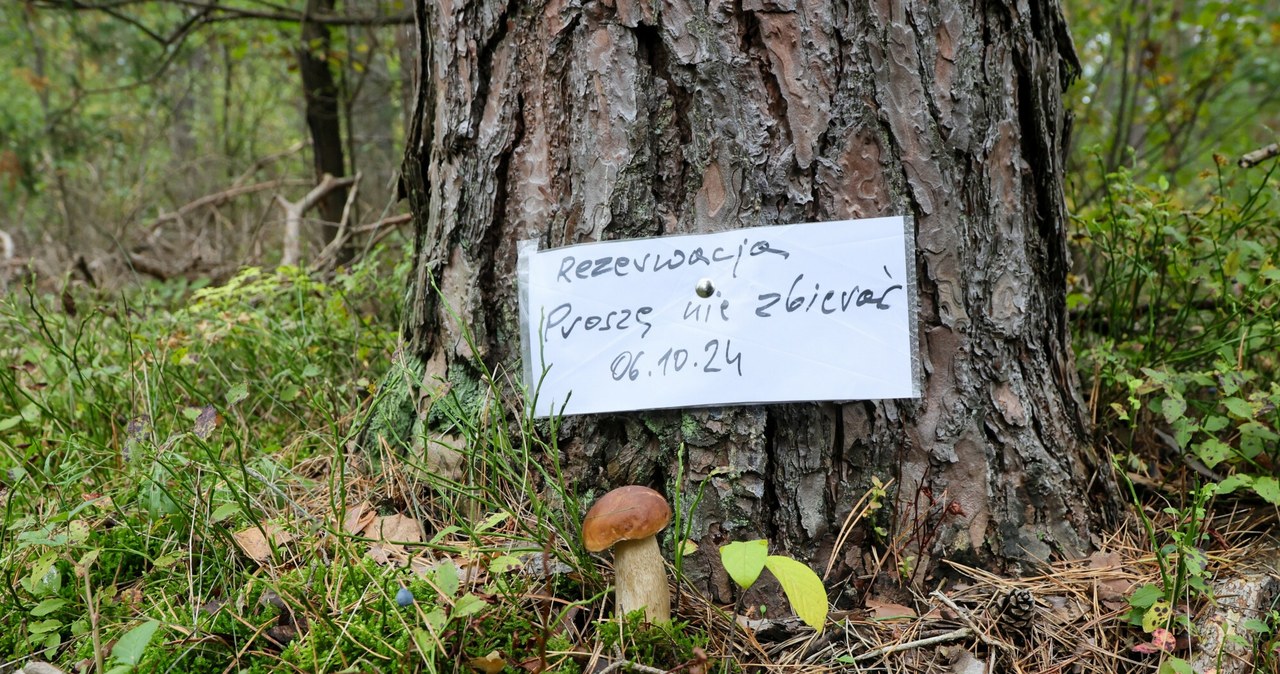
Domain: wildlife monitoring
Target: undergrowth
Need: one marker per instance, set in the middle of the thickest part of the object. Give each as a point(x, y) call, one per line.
point(1176, 306)
point(184, 490)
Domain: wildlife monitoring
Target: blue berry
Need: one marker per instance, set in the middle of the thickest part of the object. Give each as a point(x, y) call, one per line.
point(404, 596)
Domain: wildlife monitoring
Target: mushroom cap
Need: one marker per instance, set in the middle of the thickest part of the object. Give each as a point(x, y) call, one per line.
point(624, 514)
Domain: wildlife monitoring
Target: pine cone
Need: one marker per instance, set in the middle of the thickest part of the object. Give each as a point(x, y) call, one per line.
point(1018, 609)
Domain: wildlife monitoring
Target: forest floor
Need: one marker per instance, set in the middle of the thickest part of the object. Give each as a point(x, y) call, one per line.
point(181, 494)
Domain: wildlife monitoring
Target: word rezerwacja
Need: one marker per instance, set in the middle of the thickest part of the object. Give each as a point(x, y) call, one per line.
point(622, 265)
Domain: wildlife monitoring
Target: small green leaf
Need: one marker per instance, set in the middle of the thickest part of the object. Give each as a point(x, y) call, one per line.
point(1145, 596)
point(47, 606)
point(803, 588)
point(77, 531)
point(468, 604)
point(1234, 482)
point(6, 424)
point(224, 511)
point(1238, 408)
point(447, 578)
point(744, 560)
point(1176, 666)
point(425, 642)
point(30, 413)
point(82, 566)
point(44, 626)
point(435, 619)
point(290, 393)
point(1268, 488)
point(237, 393)
point(1173, 408)
point(128, 650)
point(1213, 451)
point(504, 563)
point(310, 371)
point(492, 521)
point(1255, 625)
point(1215, 423)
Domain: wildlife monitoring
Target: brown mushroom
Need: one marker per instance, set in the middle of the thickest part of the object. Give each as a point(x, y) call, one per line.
point(628, 518)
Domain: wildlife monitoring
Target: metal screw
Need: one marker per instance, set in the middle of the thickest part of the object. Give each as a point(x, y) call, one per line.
point(704, 288)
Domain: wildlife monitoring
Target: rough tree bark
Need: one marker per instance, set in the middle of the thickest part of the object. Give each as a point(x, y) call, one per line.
point(579, 120)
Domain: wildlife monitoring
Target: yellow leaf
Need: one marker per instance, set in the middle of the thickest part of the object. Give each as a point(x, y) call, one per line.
point(489, 664)
point(1156, 616)
point(803, 588)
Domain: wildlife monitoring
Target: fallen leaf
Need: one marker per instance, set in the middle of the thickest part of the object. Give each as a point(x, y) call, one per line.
point(206, 422)
point(358, 518)
point(389, 554)
point(444, 456)
point(884, 610)
point(1111, 589)
point(1105, 560)
point(396, 528)
point(254, 543)
point(489, 664)
point(1163, 639)
point(1067, 610)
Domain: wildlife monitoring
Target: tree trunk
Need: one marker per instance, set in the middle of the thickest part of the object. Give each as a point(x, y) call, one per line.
point(606, 119)
point(323, 117)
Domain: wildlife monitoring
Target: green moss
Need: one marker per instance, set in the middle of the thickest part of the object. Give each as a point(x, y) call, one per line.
point(393, 414)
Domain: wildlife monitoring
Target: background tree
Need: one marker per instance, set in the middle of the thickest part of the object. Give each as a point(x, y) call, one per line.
point(123, 115)
point(602, 120)
point(1165, 86)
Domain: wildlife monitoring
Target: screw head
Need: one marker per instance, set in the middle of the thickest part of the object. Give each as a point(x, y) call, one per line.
point(704, 288)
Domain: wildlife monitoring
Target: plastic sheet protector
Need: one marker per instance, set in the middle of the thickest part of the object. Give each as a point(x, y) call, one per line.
point(806, 312)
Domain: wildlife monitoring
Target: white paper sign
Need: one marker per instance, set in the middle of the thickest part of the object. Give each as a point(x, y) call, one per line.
point(819, 311)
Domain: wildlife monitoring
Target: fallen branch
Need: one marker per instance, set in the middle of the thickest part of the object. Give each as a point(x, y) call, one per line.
point(968, 620)
point(217, 199)
point(390, 221)
point(380, 228)
point(1251, 159)
point(339, 241)
point(962, 633)
point(293, 211)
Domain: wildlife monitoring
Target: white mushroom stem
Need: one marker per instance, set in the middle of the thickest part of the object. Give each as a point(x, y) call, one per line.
point(641, 579)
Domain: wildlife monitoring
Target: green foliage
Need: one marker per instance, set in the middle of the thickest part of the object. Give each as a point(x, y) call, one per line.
point(744, 560)
point(1177, 313)
point(1165, 86)
point(135, 434)
point(131, 645)
point(665, 645)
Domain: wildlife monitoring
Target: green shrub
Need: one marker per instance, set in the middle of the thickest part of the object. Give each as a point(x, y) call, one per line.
point(1176, 309)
